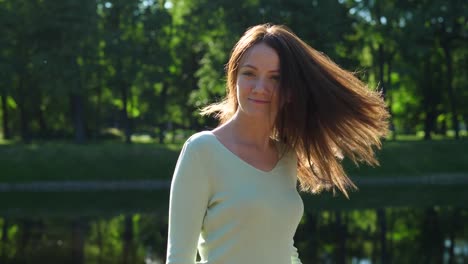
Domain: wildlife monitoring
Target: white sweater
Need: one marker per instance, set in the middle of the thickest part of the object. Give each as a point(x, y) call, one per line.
point(232, 212)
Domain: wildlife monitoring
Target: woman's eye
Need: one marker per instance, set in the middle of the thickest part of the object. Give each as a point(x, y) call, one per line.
point(275, 78)
point(248, 74)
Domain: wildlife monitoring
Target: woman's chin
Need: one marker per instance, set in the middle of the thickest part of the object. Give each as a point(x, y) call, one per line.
point(260, 115)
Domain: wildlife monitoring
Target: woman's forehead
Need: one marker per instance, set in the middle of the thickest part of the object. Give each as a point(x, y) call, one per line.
point(260, 57)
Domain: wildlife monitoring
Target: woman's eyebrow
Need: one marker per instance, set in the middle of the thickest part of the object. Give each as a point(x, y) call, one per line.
point(249, 66)
point(255, 68)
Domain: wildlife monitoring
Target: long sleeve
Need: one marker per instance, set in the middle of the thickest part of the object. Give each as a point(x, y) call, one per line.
point(225, 209)
point(294, 255)
point(188, 202)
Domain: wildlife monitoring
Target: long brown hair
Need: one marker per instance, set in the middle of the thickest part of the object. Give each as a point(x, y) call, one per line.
point(325, 112)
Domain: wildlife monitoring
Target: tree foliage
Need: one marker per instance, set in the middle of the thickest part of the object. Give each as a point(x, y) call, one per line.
point(77, 69)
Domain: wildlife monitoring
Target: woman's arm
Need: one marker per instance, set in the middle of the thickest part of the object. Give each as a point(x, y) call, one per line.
point(187, 206)
point(294, 255)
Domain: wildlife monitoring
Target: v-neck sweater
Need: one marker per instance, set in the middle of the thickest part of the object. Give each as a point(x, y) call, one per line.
point(229, 210)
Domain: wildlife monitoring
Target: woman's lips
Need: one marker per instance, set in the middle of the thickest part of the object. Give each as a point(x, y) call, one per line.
point(259, 101)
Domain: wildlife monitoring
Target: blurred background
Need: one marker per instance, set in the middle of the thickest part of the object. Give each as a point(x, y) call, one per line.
point(97, 97)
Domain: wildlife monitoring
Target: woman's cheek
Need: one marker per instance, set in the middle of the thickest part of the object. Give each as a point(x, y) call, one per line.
point(244, 83)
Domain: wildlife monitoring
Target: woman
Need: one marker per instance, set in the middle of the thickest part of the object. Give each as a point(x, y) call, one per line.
point(290, 113)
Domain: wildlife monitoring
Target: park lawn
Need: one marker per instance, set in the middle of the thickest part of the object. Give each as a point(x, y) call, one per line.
point(121, 202)
point(86, 203)
point(71, 162)
point(370, 197)
point(416, 158)
point(119, 161)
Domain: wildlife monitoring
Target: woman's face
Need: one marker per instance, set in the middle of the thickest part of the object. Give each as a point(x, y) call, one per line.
point(258, 81)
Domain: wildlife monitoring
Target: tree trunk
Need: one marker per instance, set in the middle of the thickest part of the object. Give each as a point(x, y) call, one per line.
point(381, 70)
point(443, 128)
point(99, 241)
point(389, 96)
point(465, 117)
point(77, 111)
point(78, 103)
point(124, 112)
point(382, 223)
point(390, 229)
point(77, 243)
point(128, 248)
point(428, 124)
point(432, 238)
point(120, 80)
point(43, 130)
point(3, 257)
point(97, 115)
point(23, 241)
point(312, 230)
point(380, 49)
point(162, 107)
point(452, 231)
point(341, 238)
point(428, 102)
point(5, 128)
point(451, 93)
point(125, 120)
point(23, 109)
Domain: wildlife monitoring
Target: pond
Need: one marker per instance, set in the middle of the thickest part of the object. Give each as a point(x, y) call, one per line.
point(131, 227)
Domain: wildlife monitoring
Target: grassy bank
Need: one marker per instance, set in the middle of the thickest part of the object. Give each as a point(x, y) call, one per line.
point(416, 158)
point(83, 203)
point(109, 161)
point(118, 161)
point(111, 203)
point(415, 196)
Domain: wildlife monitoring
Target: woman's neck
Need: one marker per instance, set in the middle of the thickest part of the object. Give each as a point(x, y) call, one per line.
point(249, 131)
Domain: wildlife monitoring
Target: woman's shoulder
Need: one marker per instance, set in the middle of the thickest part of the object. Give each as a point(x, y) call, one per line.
point(200, 141)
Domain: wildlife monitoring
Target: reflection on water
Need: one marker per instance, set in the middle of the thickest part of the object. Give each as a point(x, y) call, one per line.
point(390, 235)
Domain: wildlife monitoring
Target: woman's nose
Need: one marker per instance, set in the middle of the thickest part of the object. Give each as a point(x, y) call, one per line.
point(261, 85)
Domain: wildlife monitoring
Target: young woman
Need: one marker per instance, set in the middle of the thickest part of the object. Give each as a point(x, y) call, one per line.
point(290, 114)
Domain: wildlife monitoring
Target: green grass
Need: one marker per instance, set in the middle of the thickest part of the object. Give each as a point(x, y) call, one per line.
point(112, 203)
point(415, 196)
point(118, 161)
point(419, 135)
point(104, 161)
point(416, 158)
point(83, 203)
